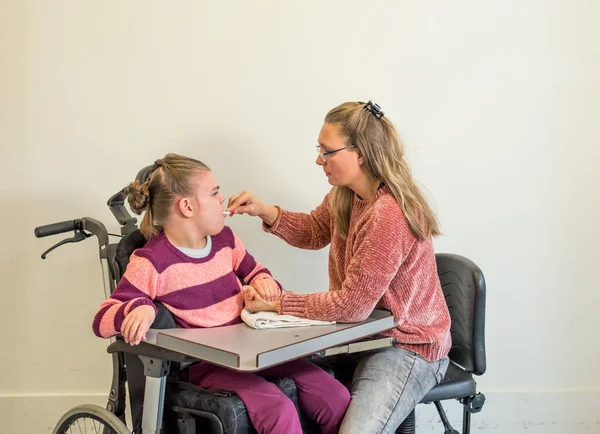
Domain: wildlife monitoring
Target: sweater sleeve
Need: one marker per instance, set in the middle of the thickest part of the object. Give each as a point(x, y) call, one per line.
point(306, 231)
point(382, 244)
point(136, 288)
point(245, 266)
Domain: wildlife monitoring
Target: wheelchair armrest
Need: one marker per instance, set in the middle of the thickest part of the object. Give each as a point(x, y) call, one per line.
point(163, 320)
point(149, 350)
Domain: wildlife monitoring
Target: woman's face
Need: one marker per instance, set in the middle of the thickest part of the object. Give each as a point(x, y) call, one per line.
point(343, 167)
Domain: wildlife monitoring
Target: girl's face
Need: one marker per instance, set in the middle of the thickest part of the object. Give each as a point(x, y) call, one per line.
point(207, 204)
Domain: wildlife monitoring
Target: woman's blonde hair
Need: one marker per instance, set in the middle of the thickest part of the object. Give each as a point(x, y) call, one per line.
point(380, 146)
point(171, 177)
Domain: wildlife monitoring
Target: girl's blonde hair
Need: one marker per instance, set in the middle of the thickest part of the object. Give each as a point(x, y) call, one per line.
point(171, 177)
point(380, 146)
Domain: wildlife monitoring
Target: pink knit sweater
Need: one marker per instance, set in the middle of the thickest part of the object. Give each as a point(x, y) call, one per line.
point(381, 264)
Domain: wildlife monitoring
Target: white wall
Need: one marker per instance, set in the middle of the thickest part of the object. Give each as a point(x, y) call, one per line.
point(498, 102)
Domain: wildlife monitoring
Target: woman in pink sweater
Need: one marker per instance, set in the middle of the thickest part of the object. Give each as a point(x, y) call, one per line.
point(380, 229)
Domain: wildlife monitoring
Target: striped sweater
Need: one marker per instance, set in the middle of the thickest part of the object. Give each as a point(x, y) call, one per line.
point(199, 292)
point(380, 264)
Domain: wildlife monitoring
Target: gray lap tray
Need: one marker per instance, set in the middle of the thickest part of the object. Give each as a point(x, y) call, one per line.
point(242, 348)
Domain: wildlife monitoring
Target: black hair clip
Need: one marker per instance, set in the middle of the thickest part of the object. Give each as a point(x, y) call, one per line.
point(375, 109)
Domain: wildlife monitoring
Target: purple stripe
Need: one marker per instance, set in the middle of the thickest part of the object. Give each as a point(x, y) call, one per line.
point(142, 302)
point(145, 253)
point(157, 252)
point(119, 317)
point(256, 273)
point(223, 239)
point(204, 295)
point(246, 266)
point(126, 291)
point(162, 254)
point(98, 319)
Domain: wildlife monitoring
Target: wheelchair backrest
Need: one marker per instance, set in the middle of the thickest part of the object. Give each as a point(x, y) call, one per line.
point(127, 245)
point(463, 285)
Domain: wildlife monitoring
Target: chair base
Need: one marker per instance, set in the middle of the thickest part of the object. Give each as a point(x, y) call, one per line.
point(471, 404)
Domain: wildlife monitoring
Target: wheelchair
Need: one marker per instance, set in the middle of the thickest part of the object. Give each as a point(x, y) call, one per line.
point(183, 408)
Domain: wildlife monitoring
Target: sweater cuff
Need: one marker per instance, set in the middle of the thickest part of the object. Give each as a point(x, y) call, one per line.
point(260, 276)
point(273, 228)
point(141, 302)
point(293, 304)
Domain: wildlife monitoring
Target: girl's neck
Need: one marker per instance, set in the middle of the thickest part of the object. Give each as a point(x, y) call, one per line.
point(188, 237)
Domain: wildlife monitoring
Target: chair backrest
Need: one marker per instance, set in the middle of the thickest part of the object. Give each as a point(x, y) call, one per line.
point(463, 285)
point(126, 246)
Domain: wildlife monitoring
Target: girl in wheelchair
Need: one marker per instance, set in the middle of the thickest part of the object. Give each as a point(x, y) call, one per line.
point(193, 264)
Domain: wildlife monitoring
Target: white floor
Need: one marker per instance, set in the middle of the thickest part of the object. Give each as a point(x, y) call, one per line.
point(575, 412)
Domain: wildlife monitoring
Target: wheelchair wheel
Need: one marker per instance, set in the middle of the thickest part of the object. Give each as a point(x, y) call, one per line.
point(90, 418)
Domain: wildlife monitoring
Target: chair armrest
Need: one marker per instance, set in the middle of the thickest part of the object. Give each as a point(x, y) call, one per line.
point(149, 350)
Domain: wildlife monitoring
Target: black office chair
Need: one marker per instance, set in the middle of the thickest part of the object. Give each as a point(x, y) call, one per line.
point(464, 288)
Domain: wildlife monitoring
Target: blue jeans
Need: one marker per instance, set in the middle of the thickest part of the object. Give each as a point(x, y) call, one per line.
point(386, 386)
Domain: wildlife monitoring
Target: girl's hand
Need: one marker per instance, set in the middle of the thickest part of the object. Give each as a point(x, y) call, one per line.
point(255, 303)
point(267, 289)
point(136, 324)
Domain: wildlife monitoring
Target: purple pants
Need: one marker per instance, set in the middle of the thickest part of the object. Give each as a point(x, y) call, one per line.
point(320, 396)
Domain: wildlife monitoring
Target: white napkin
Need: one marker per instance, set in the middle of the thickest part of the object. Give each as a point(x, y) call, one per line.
point(272, 320)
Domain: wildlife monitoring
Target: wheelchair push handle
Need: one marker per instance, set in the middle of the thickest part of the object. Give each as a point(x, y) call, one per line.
point(57, 228)
point(82, 228)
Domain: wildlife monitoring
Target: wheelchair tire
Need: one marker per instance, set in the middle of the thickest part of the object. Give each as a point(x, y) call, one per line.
point(89, 418)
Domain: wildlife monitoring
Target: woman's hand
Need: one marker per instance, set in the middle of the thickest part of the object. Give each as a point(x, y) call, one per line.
point(267, 289)
point(247, 203)
point(254, 303)
point(136, 324)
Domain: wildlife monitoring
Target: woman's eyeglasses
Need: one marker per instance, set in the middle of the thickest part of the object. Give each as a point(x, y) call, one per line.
point(323, 154)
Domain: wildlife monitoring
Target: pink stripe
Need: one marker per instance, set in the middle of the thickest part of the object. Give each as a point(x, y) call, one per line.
point(107, 328)
point(238, 253)
point(185, 275)
point(142, 274)
point(214, 315)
